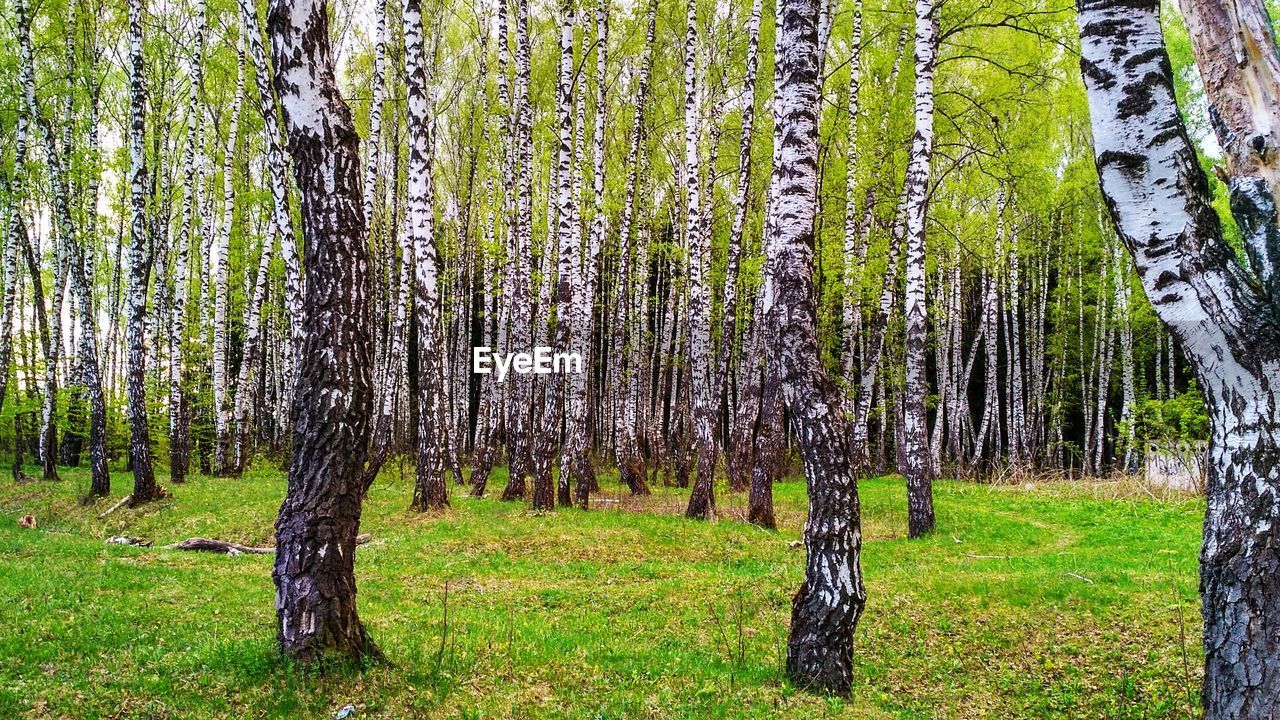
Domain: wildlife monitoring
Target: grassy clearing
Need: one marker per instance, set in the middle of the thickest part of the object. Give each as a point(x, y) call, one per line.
point(1051, 601)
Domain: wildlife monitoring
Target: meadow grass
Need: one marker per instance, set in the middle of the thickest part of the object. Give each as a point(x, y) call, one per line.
point(1048, 601)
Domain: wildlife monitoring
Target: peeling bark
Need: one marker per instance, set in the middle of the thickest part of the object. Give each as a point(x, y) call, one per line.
point(1159, 200)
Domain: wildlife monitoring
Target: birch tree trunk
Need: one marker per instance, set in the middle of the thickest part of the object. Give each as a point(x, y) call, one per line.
point(80, 270)
point(569, 268)
point(52, 327)
point(179, 403)
point(577, 442)
point(145, 488)
point(630, 291)
point(247, 383)
point(373, 142)
point(320, 517)
point(1159, 200)
point(825, 610)
point(852, 310)
point(915, 432)
point(520, 398)
point(278, 174)
point(221, 282)
point(15, 233)
point(702, 500)
point(430, 490)
point(731, 328)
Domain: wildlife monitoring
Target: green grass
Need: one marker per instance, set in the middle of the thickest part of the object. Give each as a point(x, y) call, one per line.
point(1053, 601)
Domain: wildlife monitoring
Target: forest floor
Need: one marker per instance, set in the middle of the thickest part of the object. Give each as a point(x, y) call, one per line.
point(1052, 600)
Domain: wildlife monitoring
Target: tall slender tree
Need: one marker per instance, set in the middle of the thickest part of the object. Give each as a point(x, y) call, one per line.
point(179, 402)
point(430, 490)
point(826, 608)
point(702, 500)
point(145, 488)
point(915, 433)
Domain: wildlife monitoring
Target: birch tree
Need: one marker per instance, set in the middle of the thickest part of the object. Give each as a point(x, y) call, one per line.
point(1225, 322)
point(430, 490)
point(915, 433)
point(825, 610)
point(145, 488)
point(320, 517)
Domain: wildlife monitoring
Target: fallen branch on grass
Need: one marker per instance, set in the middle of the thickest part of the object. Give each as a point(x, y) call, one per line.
point(127, 540)
point(123, 501)
point(199, 544)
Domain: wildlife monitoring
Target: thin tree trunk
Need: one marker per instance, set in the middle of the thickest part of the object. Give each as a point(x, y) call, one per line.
point(145, 488)
point(247, 383)
point(520, 397)
point(430, 491)
point(730, 333)
point(221, 282)
point(919, 474)
point(179, 401)
point(702, 499)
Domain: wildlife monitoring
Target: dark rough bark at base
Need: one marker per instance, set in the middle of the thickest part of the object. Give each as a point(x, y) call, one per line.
point(631, 472)
point(920, 518)
point(1240, 579)
point(315, 583)
point(702, 501)
point(180, 446)
point(430, 492)
point(583, 474)
point(564, 491)
point(767, 454)
point(760, 501)
point(481, 466)
point(544, 452)
point(820, 647)
point(516, 487)
point(319, 519)
point(100, 483)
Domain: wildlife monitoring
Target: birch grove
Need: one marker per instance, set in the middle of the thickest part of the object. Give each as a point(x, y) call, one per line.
point(753, 242)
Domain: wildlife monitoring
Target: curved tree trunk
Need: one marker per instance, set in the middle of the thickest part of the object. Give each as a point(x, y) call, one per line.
point(1228, 328)
point(825, 610)
point(320, 517)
